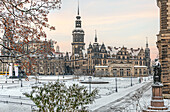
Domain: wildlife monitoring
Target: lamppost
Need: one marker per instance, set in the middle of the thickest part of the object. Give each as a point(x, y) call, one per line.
point(115, 74)
point(85, 73)
point(19, 72)
point(64, 70)
point(131, 80)
point(90, 78)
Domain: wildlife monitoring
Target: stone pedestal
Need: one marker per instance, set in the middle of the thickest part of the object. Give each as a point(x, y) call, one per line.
point(157, 102)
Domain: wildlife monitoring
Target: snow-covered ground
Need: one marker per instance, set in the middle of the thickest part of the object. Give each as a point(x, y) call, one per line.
point(13, 100)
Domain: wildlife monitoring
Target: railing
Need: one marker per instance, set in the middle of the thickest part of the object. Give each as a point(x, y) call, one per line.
point(14, 97)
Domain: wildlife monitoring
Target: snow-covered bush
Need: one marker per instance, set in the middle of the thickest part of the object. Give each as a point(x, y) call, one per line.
point(58, 97)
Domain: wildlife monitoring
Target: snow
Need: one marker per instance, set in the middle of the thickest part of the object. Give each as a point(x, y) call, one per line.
point(135, 53)
point(113, 97)
point(53, 77)
point(115, 50)
point(101, 66)
point(140, 66)
point(13, 92)
point(77, 55)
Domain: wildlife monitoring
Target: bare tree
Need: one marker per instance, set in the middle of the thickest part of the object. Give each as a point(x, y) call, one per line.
point(22, 21)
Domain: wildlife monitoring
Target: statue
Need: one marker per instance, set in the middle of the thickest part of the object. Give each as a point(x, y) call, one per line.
point(157, 71)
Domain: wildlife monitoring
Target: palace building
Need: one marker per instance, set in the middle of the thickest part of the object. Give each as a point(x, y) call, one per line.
point(163, 44)
point(98, 58)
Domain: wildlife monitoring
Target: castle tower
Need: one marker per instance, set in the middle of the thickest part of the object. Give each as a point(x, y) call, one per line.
point(147, 57)
point(163, 44)
point(78, 36)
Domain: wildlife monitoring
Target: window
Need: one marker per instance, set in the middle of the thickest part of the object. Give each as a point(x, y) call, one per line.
point(136, 71)
point(140, 62)
point(101, 55)
point(121, 72)
point(123, 57)
point(41, 69)
point(56, 69)
point(48, 69)
point(140, 71)
point(104, 61)
point(128, 72)
point(115, 72)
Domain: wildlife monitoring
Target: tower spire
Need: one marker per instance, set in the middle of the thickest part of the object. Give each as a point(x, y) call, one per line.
point(147, 42)
point(78, 21)
point(95, 36)
point(78, 8)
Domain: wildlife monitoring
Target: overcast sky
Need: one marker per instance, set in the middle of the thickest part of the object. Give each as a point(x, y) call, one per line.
point(118, 23)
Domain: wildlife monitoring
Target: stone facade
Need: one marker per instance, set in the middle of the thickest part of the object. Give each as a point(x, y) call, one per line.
point(163, 44)
point(124, 62)
point(43, 63)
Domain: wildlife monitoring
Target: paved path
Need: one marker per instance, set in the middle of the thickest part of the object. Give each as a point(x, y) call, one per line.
point(122, 104)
